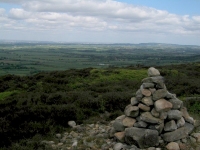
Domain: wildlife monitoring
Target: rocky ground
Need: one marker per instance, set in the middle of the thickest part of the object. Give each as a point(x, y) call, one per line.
point(99, 136)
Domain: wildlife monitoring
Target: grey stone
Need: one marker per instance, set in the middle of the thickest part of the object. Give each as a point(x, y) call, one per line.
point(193, 140)
point(74, 134)
point(147, 101)
point(152, 90)
point(148, 85)
point(158, 94)
point(142, 137)
point(172, 146)
point(196, 123)
point(186, 115)
point(134, 101)
point(131, 111)
point(60, 144)
point(58, 135)
point(174, 114)
point(139, 95)
point(177, 104)
point(170, 126)
point(118, 126)
point(151, 148)
point(160, 85)
point(170, 95)
point(121, 117)
point(145, 92)
point(128, 122)
point(153, 72)
point(118, 146)
point(140, 124)
point(51, 142)
point(151, 138)
point(162, 105)
point(175, 135)
point(163, 115)
point(197, 136)
point(189, 127)
point(184, 140)
point(159, 127)
point(180, 122)
point(156, 79)
point(144, 107)
point(155, 113)
point(138, 118)
point(72, 124)
point(147, 117)
point(75, 143)
point(112, 131)
point(120, 136)
point(190, 120)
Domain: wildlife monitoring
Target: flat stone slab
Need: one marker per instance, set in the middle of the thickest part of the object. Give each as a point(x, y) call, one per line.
point(144, 107)
point(147, 117)
point(144, 138)
point(156, 79)
point(175, 135)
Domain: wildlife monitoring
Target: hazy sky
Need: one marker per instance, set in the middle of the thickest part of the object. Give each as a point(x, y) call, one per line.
point(101, 21)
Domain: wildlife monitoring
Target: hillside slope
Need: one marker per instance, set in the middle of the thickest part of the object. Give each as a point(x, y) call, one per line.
point(44, 103)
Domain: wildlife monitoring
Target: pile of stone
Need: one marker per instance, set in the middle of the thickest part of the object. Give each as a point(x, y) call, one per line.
point(155, 117)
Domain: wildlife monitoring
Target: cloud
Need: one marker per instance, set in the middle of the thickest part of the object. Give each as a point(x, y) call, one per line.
point(95, 15)
point(17, 13)
point(2, 11)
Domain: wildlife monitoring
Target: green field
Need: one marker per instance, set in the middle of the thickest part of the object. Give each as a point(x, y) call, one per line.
point(28, 59)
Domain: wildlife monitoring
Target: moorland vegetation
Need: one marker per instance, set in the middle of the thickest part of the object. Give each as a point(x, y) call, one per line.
point(40, 105)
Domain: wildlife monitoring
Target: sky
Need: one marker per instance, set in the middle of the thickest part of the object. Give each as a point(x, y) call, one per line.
point(101, 21)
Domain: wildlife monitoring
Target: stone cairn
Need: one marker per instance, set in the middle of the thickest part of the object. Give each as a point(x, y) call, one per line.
point(155, 117)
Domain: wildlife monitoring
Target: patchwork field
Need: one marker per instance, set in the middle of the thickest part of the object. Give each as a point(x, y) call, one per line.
point(27, 58)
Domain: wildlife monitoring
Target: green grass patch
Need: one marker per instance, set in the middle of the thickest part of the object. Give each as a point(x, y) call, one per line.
point(6, 94)
point(107, 75)
point(117, 74)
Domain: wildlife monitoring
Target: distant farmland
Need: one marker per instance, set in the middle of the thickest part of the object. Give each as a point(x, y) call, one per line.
point(27, 59)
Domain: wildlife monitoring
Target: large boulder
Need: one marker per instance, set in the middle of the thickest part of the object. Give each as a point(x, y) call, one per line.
point(142, 137)
point(175, 135)
point(162, 105)
point(158, 94)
